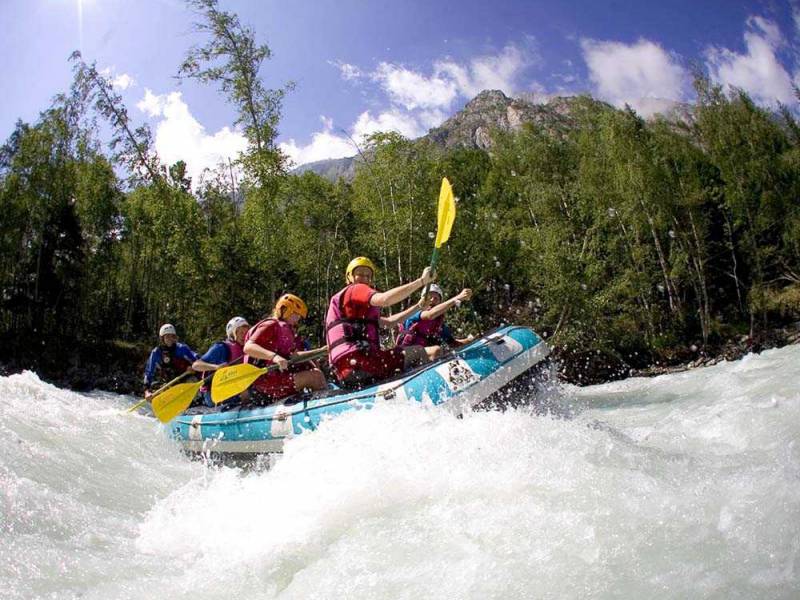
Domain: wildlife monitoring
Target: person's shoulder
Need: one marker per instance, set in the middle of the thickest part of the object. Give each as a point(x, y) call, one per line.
point(361, 292)
point(261, 327)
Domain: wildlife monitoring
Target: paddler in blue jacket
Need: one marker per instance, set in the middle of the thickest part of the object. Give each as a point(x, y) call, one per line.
point(228, 351)
point(167, 360)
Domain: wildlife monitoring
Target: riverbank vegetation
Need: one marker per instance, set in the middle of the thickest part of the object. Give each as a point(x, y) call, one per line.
point(640, 240)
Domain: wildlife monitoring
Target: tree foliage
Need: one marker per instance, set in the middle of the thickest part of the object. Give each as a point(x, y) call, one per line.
point(616, 234)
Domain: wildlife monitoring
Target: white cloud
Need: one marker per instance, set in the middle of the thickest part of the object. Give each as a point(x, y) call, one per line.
point(488, 72)
point(448, 80)
point(413, 90)
point(349, 72)
point(643, 75)
point(151, 104)
point(324, 145)
point(179, 136)
point(391, 120)
point(758, 71)
point(123, 81)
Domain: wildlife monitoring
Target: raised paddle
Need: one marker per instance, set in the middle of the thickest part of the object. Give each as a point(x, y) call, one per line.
point(446, 216)
point(160, 390)
point(231, 381)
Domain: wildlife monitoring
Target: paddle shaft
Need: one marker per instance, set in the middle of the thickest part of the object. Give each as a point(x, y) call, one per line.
point(434, 260)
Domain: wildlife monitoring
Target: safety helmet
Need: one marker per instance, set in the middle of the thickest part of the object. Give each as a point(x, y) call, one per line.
point(359, 261)
point(288, 305)
point(434, 289)
point(233, 325)
point(166, 329)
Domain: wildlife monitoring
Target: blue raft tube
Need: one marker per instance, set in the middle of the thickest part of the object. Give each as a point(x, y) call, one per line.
point(499, 367)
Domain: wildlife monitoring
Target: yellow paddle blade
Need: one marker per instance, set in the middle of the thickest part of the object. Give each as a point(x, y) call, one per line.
point(447, 213)
point(171, 402)
point(234, 380)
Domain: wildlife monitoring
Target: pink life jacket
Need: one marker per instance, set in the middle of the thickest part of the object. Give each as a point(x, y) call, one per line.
point(235, 351)
point(423, 332)
point(287, 341)
point(346, 332)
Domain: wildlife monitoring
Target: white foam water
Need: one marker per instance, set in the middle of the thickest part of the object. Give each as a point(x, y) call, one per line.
point(680, 486)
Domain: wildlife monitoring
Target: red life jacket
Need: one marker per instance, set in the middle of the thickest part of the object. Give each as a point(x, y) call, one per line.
point(286, 341)
point(423, 332)
point(350, 327)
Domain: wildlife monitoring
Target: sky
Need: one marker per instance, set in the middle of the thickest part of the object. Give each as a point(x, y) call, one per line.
point(361, 66)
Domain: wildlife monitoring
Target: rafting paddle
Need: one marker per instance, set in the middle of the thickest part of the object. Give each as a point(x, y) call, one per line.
point(160, 390)
point(178, 398)
point(234, 380)
point(446, 216)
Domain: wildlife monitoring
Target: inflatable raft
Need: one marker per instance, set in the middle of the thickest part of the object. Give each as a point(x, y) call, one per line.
point(499, 366)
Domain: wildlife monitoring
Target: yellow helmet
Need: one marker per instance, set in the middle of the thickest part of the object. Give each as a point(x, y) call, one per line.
point(288, 305)
point(359, 261)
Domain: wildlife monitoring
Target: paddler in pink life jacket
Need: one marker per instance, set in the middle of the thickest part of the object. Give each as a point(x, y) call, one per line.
point(427, 327)
point(353, 322)
point(227, 351)
point(273, 341)
point(168, 360)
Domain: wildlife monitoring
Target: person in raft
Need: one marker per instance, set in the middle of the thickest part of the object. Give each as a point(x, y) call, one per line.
point(427, 328)
point(274, 341)
point(168, 360)
point(225, 352)
point(353, 322)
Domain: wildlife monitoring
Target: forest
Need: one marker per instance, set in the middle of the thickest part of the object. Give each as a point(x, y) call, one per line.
point(641, 240)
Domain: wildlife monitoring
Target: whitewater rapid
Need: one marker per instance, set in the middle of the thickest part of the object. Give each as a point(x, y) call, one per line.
point(681, 486)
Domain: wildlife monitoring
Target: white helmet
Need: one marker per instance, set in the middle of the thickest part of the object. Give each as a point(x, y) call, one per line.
point(233, 325)
point(435, 289)
point(166, 329)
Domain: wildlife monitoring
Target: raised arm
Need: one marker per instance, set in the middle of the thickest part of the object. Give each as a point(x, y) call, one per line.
point(442, 307)
point(393, 320)
point(401, 292)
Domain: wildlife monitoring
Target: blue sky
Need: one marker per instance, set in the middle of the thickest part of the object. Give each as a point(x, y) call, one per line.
point(360, 66)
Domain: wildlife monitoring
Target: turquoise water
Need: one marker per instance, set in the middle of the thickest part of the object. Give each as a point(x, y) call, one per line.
point(681, 486)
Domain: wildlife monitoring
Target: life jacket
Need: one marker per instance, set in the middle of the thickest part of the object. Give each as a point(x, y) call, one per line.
point(350, 328)
point(422, 332)
point(235, 352)
point(171, 366)
point(287, 341)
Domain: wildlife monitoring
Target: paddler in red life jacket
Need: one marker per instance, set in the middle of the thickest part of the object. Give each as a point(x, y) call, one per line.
point(353, 322)
point(427, 327)
point(227, 351)
point(274, 341)
point(167, 360)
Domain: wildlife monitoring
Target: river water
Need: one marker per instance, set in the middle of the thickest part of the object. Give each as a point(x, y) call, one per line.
point(681, 486)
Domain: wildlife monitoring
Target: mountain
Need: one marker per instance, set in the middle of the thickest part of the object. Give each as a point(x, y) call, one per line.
point(471, 127)
point(331, 169)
